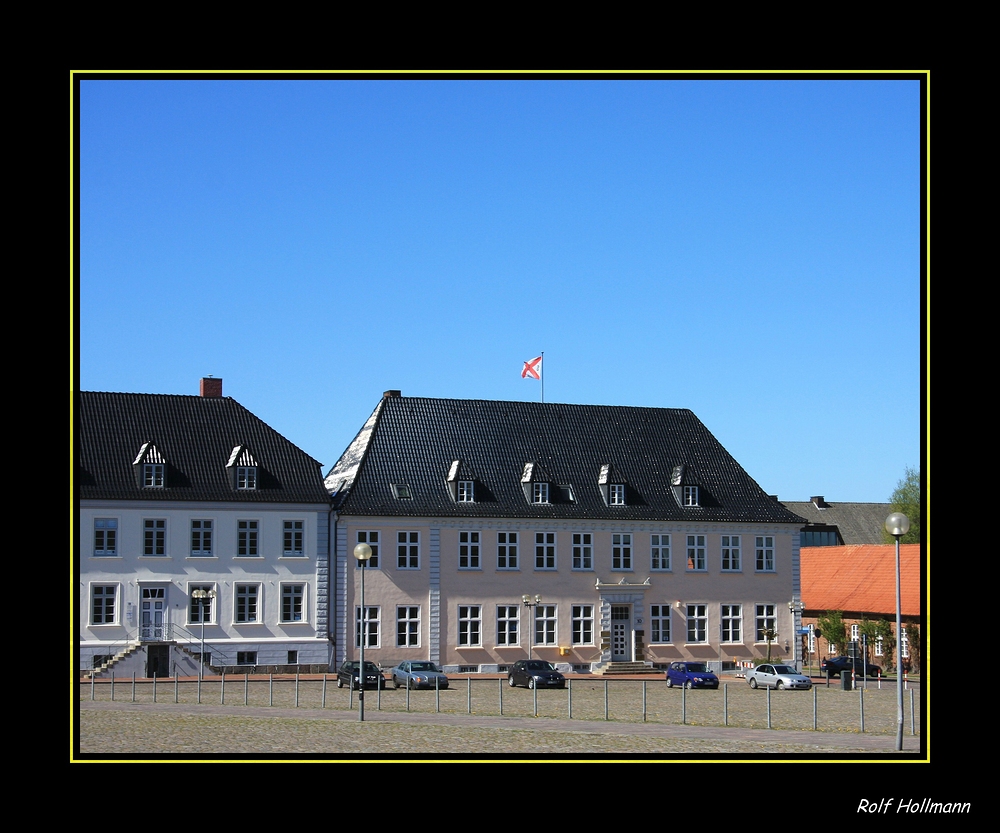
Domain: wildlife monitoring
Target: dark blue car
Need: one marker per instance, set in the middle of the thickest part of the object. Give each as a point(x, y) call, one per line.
point(690, 675)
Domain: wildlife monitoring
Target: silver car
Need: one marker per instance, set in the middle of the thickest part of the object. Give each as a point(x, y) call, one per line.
point(777, 676)
point(418, 674)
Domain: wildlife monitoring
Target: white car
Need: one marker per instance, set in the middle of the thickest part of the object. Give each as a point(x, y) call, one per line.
point(777, 676)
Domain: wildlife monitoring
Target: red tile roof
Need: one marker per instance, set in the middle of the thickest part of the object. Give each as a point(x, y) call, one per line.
point(861, 578)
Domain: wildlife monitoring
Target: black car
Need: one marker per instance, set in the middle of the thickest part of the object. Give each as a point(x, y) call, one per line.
point(348, 675)
point(835, 665)
point(535, 673)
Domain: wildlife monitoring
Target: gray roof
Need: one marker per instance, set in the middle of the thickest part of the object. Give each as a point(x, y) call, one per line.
point(859, 523)
point(499, 445)
point(198, 438)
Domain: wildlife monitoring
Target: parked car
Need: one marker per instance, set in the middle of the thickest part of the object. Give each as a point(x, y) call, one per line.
point(777, 676)
point(535, 673)
point(835, 665)
point(348, 675)
point(691, 675)
point(418, 674)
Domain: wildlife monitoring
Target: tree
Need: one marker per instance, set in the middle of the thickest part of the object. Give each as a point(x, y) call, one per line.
point(831, 626)
point(913, 643)
point(906, 499)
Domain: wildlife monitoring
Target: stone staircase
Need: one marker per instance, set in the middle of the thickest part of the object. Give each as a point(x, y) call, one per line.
point(127, 651)
point(610, 669)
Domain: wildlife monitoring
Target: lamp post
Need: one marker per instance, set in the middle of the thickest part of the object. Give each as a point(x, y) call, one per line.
point(531, 603)
point(204, 597)
point(897, 525)
point(362, 552)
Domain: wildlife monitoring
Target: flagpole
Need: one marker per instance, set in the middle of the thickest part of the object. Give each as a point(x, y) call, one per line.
point(541, 376)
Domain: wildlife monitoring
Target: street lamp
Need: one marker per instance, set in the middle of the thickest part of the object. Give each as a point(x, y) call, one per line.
point(362, 552)
point(204, 598)
point(530, 603)
point(897, 525)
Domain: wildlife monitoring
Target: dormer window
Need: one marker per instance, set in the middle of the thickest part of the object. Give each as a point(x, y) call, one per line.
point(616, 494)
point(691, 496)
point(243, 469)
point(466, 491)
point(401, 491)
point(539, 492)
point(150, 468)
point(153, 476)
point(246, 477)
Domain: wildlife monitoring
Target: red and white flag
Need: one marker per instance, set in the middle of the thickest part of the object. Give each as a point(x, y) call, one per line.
point(532, 368)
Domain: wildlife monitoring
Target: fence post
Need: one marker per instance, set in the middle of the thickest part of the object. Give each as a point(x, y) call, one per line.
point(468, 681)
point(500, 689)
point(437, 695)
point(324, 691)
point(725, 704)
point(768, 707)
point(296, 686)
point(534, 698)
point(133, 686)
point(270, 688)
point(175, 683)
point(569, 698)
point(815, 724)
point(154, 686)
point(643, 701)
point(913, 729)
point(222, 688)
point(246, 689)
point(684, 694)
point(93, 676)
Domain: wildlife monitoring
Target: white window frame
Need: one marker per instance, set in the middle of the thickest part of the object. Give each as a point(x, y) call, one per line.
point(904, 644)
point(196, 609)
point(105, 537)
point(248, 603)
point(154, 537)
point(108, 612)
point(507, 550)
point(732, 559)
point(372, 538)
point(468, 550)
point(879, 645)
point(659, 553)
point(407, 626)
point(697, 624)
point(764, 554)
point(154, 475)
point(202, 537)
point(855, 632)
point(621, 551)
point(247, 538)
point(470, 626)
point(466, 491)
point(545, 551)
point(764, 614)
point(293, 538)
point(583, 551)
point(508, 625)
point(539, 492)
point(246, 478)
point(583, 624)
point(659, 625)
point(811, 645)
point(731, 623)
point(546, 624)
point(288, 592)
point(697, 554)
point(691, 496)
point(616, 494)
point(372, 626)
point(407, 550)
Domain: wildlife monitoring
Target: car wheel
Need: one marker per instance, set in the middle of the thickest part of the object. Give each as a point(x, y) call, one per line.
point(780, 686)
point(688, 684)
point(531, 682)
point(340, 683)
point(670, 683)
point(510, 681)
point(753, 683)
point(395, 682)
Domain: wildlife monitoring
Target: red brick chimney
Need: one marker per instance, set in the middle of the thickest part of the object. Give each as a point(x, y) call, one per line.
point(210, 386)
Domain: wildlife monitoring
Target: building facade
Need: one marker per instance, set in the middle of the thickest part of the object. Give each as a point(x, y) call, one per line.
point(197, 521)
point(584, 535)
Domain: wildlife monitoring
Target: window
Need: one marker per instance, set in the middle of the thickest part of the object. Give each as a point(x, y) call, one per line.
point(879, 644)
point(731, 553)
point(660, 552)
point(583, 624)
point(247, 597)
point(408, 550)
point(293, 658)
point(616, 494)
point(466, 492)
point(506, 550)
point(621, 551)
point(855, 630)
point(103, 606)
point(507, 624)
point(369, 537)
point(246, 477)
point(659, 623)
point(201, 538)
point(539, 492)
point(690, 495)
point(732, 623)
point(697, 622)
point(545, 550)
point(545, 624)
point(583, 551)
point(831, 648)
point(904, 645)
point(200, 610)
point(292, 596)
point(408, 626)
point(293, 539)
point(246, 539)
point(470, 625)
point(246, 657)
point(370, 627)
point(401, 491)
point(765, 623)
point(765, 553)
point(154, 537)
point(105, 536)
point(811, 647)
point(468, 550)
point(696, 552)
point(153, 475)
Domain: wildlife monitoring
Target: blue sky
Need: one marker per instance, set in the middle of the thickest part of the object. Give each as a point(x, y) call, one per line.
point(746, 249)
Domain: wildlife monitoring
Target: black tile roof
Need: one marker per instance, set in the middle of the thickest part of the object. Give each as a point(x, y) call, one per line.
point(196, 436)
point(414, 441)
point(859, 523)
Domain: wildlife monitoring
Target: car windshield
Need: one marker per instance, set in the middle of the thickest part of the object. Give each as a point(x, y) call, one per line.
point(784, 669)
point(423, 666)
point(539, 665)
point(697, 666)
